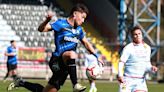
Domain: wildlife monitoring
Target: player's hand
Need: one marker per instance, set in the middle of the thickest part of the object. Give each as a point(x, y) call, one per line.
point(5, 54)
point(154, 68)
point(120, 79)
point(50, 14)
point(100, 60)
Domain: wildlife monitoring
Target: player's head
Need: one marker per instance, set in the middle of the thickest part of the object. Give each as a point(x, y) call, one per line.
point(137, 34)
point(79, 12)
point(13, 43)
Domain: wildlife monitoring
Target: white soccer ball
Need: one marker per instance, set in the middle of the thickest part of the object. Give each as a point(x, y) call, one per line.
point(93, 72)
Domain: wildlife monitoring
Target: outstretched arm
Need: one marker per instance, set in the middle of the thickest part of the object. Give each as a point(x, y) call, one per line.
point(10, 54)
point(90, 48)
point(45, 26)
point(88, 45)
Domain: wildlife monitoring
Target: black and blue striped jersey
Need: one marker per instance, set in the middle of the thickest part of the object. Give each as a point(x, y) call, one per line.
point(12, 59)
point(65, 36)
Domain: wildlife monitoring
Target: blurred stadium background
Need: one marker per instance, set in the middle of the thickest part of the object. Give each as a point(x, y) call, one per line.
point(106, 27)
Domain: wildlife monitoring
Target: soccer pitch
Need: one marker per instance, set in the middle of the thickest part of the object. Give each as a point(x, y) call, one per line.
point(102, 86)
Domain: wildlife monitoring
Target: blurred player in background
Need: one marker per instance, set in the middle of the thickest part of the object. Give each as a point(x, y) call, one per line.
point(90, 60)
point(80, 63)
point(11, 54)
point(67, 34)
point(135, 59)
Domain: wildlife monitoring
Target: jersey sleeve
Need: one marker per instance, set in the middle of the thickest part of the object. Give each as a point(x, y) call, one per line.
point(57, 25)
point(125, 54)
point(149, 65)
point(149, 52)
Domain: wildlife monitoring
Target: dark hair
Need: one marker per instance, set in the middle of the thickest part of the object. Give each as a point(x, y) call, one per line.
point(12, 41)
point(81, 8)
point(134, 28)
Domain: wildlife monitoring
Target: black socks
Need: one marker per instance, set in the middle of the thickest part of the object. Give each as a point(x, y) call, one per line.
point(34, 87)
point(72, 70)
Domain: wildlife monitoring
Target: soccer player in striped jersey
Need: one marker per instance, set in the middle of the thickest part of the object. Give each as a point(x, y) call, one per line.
point(67, 33)
point(135, 59)
point(11, 54)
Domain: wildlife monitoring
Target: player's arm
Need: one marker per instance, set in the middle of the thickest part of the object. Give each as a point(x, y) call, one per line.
point(88, 45)
point(90, 48)
point(124, 57)
point(120, 71)
point(45, 25)
point(151, 68)
point(154, 68)
point(10, 54)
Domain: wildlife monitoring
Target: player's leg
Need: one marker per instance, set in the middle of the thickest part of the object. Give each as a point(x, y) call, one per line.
point(14, 71)
point(55, 82)
point(19, 82)
point(49, 88)
point(56, 68)
point(8, 70)
point(140, 85)
point(72, 71)
point(92, 86)
point(7, 74)
point(69, 58)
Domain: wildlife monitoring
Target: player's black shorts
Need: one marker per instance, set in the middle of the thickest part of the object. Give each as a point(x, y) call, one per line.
point(11, 66)
point(59, 75)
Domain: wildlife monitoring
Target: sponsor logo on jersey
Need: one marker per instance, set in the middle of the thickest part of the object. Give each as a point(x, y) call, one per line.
point(74, 39)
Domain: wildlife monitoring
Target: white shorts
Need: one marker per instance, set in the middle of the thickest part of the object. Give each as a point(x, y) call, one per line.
point(133, 85)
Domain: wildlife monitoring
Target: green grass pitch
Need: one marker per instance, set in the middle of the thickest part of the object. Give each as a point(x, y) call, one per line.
point(102, 86)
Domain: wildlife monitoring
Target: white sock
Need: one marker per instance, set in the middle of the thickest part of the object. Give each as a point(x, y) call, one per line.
point(93, 85)
point(93, 89)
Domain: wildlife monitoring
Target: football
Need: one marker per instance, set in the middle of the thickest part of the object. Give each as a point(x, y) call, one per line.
point(93, 72)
